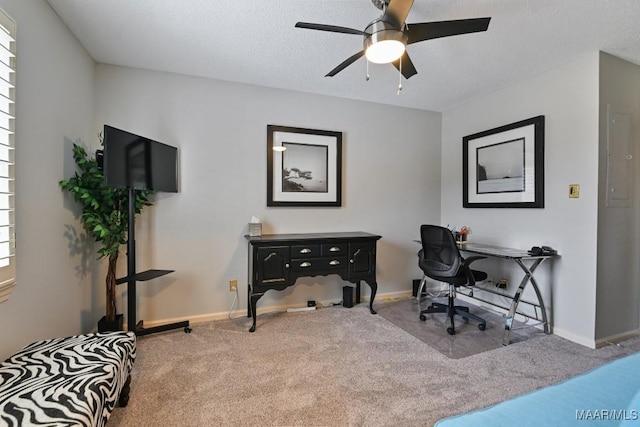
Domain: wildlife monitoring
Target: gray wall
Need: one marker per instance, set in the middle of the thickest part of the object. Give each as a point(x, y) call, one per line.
point(568, 98)
point(595, 294)
point(57, 286)
point(391, 184)
point(618, 290)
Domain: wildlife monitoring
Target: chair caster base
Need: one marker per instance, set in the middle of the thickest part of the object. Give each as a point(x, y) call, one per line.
point(451, 331)
point(482, 326)
point(423, 317)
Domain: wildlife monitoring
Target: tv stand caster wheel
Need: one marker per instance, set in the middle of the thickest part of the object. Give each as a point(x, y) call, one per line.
point(451, 331)
point(423, 317)
point(482, 326)
point(187, 330)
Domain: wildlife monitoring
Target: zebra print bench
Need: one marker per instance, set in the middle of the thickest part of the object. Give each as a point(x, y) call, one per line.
point(73, 381)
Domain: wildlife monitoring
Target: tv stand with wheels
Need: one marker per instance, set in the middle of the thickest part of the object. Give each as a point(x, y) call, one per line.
point(133, 277)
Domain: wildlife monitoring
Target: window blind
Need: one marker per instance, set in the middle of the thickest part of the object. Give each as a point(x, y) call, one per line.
point(7, 155)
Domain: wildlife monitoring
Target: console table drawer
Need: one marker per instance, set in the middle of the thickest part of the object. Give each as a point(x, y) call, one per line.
point(319, 264)
point(334, 249)
point(299, 251)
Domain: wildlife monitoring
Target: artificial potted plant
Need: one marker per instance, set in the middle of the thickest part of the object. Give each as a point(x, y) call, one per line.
point(105, 218)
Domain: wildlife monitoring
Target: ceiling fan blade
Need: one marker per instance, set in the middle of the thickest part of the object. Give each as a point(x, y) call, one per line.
point(396, 12)
point(408, 69)
point(433, 30)
point(330, 28)
point(353, 58)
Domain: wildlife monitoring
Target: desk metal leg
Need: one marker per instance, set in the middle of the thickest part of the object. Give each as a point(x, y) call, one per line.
point(528, 277)
point(422, 285)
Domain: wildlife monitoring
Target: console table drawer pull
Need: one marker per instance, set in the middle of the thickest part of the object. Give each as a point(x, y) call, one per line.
point(334, 249)
point(305, 251)
point(334, 262)
point(305, 264)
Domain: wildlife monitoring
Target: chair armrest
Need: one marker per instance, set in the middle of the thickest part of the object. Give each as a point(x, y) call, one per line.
point(467, 261)
point(465, 264)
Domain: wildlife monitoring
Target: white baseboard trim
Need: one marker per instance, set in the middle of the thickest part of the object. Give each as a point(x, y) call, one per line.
point(388, 296)
point(573, 337)
point(212, 317)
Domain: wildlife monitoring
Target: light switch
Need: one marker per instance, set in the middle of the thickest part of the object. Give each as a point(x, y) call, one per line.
point(574, 191)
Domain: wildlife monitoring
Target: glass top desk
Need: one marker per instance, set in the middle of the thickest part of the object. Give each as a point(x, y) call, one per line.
point(528, 264)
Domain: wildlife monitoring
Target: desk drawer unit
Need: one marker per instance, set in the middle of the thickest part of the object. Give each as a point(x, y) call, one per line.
point(319, 264)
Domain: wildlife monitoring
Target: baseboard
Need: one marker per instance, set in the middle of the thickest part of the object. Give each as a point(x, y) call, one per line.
point(212, 317)
point(575, 338)
point(389, 296)
point(615, 339)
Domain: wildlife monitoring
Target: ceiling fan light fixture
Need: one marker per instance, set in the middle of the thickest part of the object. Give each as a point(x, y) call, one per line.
point(385, 44)
point(385, 51)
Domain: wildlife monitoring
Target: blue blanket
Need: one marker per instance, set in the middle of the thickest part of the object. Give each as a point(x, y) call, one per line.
point(608, 395)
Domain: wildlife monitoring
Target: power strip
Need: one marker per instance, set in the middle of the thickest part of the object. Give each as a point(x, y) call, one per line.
point(292, 310)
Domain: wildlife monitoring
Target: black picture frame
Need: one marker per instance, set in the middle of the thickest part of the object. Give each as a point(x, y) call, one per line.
point(304, 167)
point(504, 167)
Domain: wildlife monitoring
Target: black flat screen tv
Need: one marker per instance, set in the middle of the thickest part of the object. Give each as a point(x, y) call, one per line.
point(133, 161)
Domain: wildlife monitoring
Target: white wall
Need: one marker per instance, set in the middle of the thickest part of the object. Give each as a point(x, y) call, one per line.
point(54, 98)
point(568, 98)
point(391, 184)
point(618, 292)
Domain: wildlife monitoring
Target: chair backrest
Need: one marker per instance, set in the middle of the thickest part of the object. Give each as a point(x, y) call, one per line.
point(440, 254)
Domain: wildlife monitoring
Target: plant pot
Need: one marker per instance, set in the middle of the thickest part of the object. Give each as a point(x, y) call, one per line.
point(106, 326)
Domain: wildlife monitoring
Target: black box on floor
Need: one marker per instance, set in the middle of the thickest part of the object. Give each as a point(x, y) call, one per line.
point(416, 285)
point(347, 296)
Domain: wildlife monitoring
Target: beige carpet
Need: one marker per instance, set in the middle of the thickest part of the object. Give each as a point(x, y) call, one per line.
point(467, 341)
point(331, 367)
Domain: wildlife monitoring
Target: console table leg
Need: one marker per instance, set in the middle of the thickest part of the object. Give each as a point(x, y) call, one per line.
point(374, 288)
point(254, 302)
point(249, 290)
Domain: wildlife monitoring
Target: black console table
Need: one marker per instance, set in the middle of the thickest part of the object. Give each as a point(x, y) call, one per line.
point(276, 261)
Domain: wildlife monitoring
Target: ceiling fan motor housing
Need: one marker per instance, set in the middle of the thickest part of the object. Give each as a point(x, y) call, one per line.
point(380, 31)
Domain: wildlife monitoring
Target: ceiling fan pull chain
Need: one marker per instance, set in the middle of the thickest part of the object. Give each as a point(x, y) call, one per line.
point(399, 77)
point(367, 79)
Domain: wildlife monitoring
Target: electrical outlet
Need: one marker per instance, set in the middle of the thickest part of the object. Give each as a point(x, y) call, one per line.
point(233, 285)
point(503, 284)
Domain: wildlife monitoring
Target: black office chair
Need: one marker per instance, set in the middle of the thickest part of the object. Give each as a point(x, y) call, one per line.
point(440, 260)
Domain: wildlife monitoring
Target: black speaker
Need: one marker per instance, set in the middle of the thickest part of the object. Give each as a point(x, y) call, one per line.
point(416, 285)
point(100, 159)
point(347, 296)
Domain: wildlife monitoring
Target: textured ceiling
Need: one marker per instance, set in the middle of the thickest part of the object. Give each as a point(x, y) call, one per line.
point(255, 42)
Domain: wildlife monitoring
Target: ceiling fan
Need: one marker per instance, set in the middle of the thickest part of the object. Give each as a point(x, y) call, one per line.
point(386, 38)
